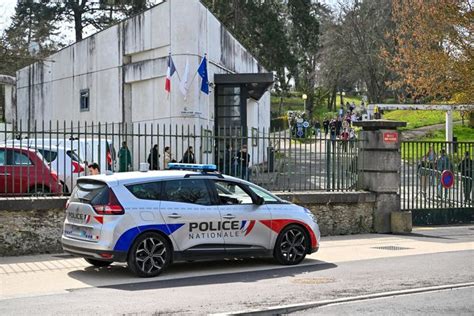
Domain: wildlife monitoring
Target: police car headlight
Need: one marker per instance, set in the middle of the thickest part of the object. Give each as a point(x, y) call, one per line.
point(310, 214)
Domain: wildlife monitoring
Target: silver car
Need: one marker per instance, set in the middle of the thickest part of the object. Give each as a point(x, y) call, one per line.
point(150, 219)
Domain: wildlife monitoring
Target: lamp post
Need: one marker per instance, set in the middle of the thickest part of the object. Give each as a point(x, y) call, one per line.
point(305, 97)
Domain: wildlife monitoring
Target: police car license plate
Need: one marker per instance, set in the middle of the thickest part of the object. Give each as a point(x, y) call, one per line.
point(79, 232)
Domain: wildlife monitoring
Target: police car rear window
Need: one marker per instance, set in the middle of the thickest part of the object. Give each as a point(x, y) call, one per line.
point(86, 190)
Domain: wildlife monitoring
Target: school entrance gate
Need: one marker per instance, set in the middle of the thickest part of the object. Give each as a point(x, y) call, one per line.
point(437, 182)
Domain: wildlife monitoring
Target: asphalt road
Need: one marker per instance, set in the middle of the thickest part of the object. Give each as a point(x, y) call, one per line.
point(346, 266)
point(446, 302)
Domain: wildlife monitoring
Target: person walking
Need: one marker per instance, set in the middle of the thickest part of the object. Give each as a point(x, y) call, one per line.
point(188, 156)
point(125, 158)
point(154, 158)
point(466, 168)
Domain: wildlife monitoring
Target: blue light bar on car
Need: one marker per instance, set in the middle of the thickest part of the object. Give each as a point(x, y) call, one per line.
point(192, 166)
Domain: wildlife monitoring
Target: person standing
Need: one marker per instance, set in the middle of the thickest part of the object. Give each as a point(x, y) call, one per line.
point(154, 158)
point(243, 158)
point(188, 156)
point(326, 127)
point(125, 158)
point(94, 169)
point(466, 168)
point(317, 128)
point(333, 129)
point(338, 126)
point(167, 157)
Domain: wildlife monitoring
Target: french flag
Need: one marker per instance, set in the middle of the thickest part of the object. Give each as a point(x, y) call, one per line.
point(169, 73)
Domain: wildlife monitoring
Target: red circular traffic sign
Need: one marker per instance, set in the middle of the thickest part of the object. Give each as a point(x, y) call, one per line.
point(447, 179)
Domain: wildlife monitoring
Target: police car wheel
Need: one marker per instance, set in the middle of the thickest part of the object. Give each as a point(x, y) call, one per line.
point(149, 255)
point(98, 263)
point(291, 245)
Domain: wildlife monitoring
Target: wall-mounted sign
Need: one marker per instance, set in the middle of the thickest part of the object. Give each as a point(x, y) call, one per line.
point(390, 137)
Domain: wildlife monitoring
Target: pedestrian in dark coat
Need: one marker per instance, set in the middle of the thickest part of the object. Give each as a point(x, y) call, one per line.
point(466, 168)
point(153, 158)
point(188, 156)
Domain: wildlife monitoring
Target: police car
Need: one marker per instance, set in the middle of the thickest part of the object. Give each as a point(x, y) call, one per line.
point(150, 219)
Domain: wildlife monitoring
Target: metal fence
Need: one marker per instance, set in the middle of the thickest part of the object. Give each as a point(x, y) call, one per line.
point(276, 160)
point(436, 175)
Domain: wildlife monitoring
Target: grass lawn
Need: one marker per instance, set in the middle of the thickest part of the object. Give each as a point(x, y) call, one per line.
point(417, 119)
point(463, 133)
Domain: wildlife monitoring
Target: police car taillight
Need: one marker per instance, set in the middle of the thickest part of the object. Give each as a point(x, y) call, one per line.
point(112, 207)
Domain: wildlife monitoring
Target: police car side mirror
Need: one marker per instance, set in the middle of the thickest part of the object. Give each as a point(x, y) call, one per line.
point(259, 200)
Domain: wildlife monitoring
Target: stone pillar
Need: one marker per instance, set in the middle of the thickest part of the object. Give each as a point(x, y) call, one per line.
point(379, 164)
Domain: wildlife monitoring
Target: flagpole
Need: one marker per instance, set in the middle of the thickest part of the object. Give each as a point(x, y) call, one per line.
point(207, 64)
point(169, 94)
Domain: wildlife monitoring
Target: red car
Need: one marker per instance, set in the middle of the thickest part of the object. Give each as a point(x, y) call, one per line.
point(24, 171)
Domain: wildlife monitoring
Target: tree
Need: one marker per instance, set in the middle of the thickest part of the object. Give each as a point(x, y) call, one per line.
point(97, 14)
point(433, 57)
point(30, 36)
point(305, 18)
point(261, 26)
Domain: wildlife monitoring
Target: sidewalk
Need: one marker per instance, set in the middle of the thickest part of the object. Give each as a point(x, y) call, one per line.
point(47, 274)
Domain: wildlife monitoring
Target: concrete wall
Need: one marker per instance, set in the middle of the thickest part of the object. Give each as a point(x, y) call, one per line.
point(124, 68)
point(32, 226)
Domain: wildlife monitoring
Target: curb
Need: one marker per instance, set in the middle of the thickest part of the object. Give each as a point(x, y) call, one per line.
point(286, 309)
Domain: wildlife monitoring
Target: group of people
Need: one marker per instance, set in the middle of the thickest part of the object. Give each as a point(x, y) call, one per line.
point(232, 163)
point(431, 167)
point(125, 159)
point(340, 127)
point(154, 157)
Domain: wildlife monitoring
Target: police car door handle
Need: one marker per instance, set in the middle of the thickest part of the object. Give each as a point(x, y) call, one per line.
point(229, 216)
point(174, 215)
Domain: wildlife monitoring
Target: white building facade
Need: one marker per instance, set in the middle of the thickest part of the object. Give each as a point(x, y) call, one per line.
point(118, 76)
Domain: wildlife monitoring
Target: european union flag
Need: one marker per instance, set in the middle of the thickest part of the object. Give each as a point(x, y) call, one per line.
point(202, 71)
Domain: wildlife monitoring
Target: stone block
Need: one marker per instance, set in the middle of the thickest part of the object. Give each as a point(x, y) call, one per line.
point(401, 222)
point(384, 206)
point(379, 182)
point(379, 161)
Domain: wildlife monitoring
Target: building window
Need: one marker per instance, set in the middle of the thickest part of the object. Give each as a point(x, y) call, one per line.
point(254, 137)
point(207, 135)
point(84, 101)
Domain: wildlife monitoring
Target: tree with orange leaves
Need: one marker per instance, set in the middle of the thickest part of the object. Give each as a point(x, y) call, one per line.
point(434, 46)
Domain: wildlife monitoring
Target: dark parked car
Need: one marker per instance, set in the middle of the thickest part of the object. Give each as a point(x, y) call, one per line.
point(24, 171)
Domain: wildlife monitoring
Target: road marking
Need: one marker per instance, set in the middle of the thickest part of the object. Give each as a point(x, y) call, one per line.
point(286, 309)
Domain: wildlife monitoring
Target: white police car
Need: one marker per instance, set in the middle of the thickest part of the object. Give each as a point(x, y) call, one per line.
point(149, 219)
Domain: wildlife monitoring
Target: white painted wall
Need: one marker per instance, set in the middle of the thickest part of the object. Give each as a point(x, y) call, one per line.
point(135, 52)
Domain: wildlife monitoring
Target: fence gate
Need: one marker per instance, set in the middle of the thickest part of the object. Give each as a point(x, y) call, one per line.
point(437, 182)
